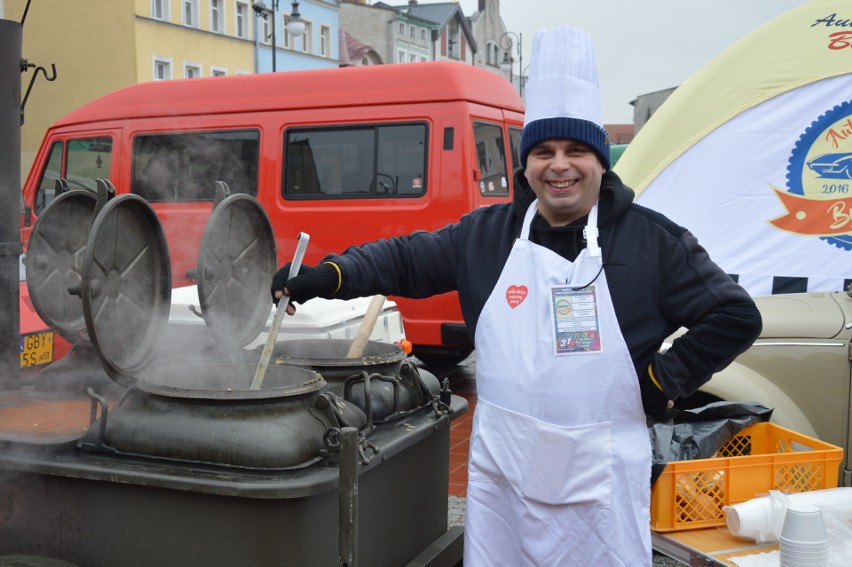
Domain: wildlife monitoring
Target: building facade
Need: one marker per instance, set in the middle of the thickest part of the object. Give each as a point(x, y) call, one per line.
point(407, 33)
point(317, 48)
point(99, 47)
point(452, 38)
point(494, 41)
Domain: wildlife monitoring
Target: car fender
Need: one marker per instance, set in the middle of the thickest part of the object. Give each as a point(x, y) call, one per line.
point(740, 383)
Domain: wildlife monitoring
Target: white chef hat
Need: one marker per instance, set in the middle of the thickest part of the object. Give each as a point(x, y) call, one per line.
point(563, 99)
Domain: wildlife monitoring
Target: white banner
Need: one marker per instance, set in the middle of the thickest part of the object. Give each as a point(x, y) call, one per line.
point(728, 189)
point(753, 154)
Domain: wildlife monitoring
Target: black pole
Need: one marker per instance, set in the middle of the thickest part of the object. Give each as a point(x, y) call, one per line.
point(274, 47)
point(348, 498)
point(10, 201)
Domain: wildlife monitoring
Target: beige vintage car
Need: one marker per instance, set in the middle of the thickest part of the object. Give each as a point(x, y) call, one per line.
point(800, 366)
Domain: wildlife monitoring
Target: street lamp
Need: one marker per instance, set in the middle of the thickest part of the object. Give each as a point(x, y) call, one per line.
point(295, 25)
point(507, 63)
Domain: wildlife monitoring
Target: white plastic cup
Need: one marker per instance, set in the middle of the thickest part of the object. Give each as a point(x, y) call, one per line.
point(803, 524)
point(748, 519)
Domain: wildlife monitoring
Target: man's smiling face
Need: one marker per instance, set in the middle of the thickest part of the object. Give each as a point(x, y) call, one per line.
point(566, 177)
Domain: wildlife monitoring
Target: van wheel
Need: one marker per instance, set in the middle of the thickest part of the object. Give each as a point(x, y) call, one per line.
point(441, 359)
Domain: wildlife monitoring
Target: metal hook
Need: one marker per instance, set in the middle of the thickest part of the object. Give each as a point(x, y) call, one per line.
point(49, 78)
point(26, 10)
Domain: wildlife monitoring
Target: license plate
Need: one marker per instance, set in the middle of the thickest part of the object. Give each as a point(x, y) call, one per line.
point(36, 349)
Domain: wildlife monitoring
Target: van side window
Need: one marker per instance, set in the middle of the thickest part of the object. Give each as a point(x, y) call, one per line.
point(86, 159)
point(359, 162)
point(491, 155)
point(185, 166)
point(515, 148)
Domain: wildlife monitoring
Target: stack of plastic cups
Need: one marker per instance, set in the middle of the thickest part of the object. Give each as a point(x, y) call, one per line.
point(803, 540)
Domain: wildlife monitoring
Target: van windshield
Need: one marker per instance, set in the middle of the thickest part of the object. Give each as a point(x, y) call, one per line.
point(185, 166)
point(365, 161)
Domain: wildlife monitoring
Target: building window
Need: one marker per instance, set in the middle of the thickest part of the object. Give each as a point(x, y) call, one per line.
point(401, 28)
point(241, 20)
point(191, 70)
point(265, 30)
point(190, 13)
point(162, 69)
point(453, 46)
point(325, 41)
point(217, 16)
point(289, 42)
point(160, 9)
point(423, 33)
point(400, 56)
point(308, 38)
point(492, 54)
point(218, 71)
point(412, 32)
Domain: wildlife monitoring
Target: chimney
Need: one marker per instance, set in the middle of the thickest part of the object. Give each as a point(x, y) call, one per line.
point(412, 2)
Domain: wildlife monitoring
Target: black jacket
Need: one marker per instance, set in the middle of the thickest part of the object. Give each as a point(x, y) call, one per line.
point(659, 277)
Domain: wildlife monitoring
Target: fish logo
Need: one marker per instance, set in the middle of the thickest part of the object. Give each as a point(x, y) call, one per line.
point(818, 199)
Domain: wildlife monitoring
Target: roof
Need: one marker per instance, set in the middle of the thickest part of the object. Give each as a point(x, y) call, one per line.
point(371, 85)
point(352, 49)
point(440, 14)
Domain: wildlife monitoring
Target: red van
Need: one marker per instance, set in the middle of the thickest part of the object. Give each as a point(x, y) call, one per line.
point(348, 155)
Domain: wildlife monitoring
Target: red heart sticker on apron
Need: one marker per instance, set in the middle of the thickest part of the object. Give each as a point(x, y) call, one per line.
point(516, 294)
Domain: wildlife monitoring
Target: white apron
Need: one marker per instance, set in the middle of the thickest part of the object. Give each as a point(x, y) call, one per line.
point(560, 458)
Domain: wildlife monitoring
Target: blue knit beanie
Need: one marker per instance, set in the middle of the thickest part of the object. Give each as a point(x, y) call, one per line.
point(562, 95)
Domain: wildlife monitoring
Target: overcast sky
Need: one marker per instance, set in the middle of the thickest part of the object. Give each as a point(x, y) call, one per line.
point(642, 46)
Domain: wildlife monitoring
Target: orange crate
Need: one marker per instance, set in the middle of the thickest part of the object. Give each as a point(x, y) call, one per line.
point(762, 457)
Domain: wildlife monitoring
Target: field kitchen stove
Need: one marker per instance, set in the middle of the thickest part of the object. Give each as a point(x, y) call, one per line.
point(138, 450)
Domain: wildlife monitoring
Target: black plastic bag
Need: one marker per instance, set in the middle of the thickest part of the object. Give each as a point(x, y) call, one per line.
point(699, 433)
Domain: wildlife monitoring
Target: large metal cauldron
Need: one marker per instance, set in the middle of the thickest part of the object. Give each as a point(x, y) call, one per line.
point(192, 467)
point(394, 383)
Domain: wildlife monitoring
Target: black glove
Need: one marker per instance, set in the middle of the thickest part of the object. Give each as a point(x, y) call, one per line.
point(654, 400)
point(320, 281)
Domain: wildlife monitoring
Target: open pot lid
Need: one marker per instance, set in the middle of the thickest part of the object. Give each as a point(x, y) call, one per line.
point(236, 263)
point(54, 263)
point(229, 382)
point(126, 286)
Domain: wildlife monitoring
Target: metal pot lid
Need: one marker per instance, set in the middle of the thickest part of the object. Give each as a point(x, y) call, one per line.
point(331, 353)
point(229, 382)
point(126, 286)
point(54, 262)
point(236, 263)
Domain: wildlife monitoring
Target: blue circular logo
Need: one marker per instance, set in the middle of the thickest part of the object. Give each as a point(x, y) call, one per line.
point(820, 167)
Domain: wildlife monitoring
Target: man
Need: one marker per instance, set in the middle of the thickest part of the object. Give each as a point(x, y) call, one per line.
point(569, 292)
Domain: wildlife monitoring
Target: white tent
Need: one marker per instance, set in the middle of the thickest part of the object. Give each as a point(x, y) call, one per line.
point(753, 154)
